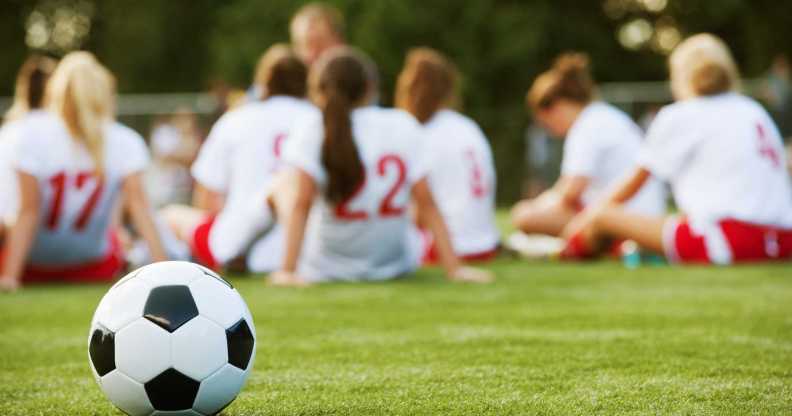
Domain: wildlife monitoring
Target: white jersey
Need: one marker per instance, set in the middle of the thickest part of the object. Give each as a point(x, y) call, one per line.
point(9, 192)
point(366, 236)
point(239, 159)
point(603, 145)
point(462, 179)
point(76, 205)
point(724, 158)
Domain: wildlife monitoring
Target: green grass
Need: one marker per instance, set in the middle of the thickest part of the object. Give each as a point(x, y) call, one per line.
point(545, 339)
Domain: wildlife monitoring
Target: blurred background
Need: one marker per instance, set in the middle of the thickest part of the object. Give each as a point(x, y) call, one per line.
point(180, 64)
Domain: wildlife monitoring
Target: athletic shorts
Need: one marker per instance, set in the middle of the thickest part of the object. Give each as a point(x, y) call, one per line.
point(201, 251)
point(725, 242)
point(103, 270)
point(430, 255)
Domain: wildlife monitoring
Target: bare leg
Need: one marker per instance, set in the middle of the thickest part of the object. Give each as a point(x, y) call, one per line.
point(546, 214)
point(183, 220)
point(615, 221)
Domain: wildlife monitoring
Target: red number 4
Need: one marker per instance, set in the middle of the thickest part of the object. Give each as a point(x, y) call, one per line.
point(58, 183)
point(478, 188)
point(386, 208)
point(766, 148)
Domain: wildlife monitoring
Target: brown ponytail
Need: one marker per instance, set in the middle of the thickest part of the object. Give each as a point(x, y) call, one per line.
point(427, 83)
point(339, 84)
point(569, 79)
point(30, 84)
point(281, 72)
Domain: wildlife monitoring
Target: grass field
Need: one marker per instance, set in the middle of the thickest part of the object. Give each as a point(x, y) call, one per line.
point(545, 339)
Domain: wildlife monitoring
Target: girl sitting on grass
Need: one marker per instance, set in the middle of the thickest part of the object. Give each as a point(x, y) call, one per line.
point(354, 171)
point(601, 145)
point(461, 168)
point(73, 165)
point(28, 99)
point(724, 158)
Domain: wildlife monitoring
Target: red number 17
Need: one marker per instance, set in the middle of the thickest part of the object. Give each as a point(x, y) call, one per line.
point(58, 183)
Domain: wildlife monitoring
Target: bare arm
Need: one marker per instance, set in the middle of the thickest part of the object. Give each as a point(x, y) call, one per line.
point(430, 214)
point(571, 188)
point(295, 229)
point(622, 192)
point(629, 186)
point(433, 220)
point(139, 210)
point(22, 233)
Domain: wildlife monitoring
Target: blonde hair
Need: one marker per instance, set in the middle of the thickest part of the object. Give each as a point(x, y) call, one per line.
point(320, 11)
point(569, 79)
point(428, 83)
point(30, 84)
point(81, 92)
point(702, 65)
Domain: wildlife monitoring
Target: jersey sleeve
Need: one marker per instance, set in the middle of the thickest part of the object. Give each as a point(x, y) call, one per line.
point(669, 145)
point(135, 153)
point(212, 168)
point(28, 153)
point(304, 147)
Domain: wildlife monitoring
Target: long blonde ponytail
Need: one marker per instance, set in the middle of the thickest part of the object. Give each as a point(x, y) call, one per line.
point(81, 92)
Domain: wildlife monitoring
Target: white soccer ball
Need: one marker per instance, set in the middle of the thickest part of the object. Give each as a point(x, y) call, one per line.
point(172, 338)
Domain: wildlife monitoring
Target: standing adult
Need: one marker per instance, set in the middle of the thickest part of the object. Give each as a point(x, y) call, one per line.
point(317, 28)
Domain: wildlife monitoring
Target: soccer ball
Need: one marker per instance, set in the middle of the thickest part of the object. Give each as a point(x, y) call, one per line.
point(172, 338)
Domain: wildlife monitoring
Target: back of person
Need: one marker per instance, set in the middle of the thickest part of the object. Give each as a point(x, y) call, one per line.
point(603, 145)
point(75, 204)
point(366, 235)
point(462, 179)
point(724, 158)
point(239, 159)
point(8, 185)
point(28, 98)
point(249, 140)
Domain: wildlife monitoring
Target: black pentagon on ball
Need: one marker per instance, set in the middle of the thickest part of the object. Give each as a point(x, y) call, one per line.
point(217, 276)
point(170, 307)
point(101, 349)
point(172, 390)
point(240, 344)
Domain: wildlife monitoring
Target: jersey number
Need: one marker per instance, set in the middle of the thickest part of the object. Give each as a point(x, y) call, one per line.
point(387, 207)
point(58, 183)
point(277, 145)
point(478, 188)
point(766, 149)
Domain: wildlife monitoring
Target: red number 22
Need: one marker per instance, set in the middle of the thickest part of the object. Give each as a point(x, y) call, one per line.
point(386, 208)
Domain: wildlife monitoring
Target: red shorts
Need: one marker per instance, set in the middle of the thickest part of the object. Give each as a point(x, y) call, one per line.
point(199, 246)
point(728, 241)
point(104, 270)
point(431, 256)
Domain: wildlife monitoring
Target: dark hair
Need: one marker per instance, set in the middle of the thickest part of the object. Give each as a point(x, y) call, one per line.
point(427, 83)
point(339, 83)
point(569, 78)
point(31, 84)
point(281, 72)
